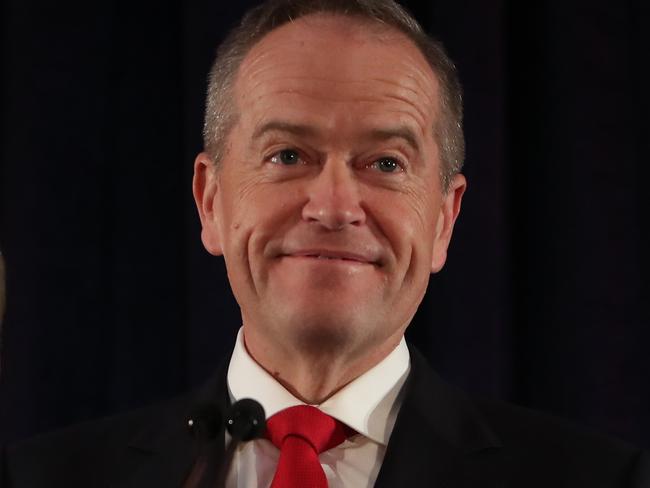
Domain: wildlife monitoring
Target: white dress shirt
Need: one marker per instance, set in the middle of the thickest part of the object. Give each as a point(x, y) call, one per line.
point(369, 405)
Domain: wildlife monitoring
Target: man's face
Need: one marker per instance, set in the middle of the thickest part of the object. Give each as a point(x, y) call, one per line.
point(327, 205)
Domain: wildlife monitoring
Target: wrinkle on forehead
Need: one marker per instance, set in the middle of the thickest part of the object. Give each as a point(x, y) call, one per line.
point(268, 68)
point(379, 114)
point(289, 49)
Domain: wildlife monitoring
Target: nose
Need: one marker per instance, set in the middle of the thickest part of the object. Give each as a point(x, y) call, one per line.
point(333, 198)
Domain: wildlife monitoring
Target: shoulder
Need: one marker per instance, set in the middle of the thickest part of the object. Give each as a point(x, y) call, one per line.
point(152, 442)
point(93, 450)
point(520, 446)
point(541, 438)
point(519, 426)
point(558, 452)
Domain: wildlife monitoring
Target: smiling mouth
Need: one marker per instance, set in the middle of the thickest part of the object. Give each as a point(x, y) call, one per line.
point(326, 256)
point(332, 258)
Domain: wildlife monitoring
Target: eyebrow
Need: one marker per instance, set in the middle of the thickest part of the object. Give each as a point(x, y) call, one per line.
point(280, 126)
point(381, 134)
point(400, 132)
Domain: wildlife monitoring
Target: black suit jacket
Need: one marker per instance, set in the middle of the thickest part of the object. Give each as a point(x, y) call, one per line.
point(441, 439)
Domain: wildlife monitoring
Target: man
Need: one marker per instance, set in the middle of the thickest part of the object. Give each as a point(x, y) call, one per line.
point(330, 183)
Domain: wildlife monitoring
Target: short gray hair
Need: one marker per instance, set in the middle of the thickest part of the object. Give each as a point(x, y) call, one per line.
point(220, 115)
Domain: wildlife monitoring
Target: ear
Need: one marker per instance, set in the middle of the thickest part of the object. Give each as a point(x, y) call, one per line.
point(205, 186)
point(449, 210)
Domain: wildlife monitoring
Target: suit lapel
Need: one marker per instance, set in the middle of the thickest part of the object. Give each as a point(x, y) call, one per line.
point(439, 439)
point(165, 455)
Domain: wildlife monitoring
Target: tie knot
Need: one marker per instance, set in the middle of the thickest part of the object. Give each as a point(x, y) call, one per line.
point(316, 428)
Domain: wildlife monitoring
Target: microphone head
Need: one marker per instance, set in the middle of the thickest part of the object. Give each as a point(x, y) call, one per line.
point(246, 420)
point(204, 421)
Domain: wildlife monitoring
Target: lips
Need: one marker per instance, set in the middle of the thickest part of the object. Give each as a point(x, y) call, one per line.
point(331, 254)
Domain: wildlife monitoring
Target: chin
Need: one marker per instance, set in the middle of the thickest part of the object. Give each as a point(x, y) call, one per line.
point(325, 330)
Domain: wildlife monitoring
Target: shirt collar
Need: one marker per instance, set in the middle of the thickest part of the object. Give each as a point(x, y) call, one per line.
point(369, 404)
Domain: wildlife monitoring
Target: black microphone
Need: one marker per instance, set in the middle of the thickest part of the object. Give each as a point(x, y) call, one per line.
point(203, 423)
point(245, 421)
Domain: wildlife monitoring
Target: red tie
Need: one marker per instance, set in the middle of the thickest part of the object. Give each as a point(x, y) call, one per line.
point(302, 433)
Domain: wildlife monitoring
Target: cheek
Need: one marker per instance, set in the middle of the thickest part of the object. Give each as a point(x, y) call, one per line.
point(409, 224)
point(408, 220)
point(256, 211)
point(240, 199)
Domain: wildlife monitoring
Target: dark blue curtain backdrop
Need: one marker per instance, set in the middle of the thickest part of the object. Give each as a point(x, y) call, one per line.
point(113, 303)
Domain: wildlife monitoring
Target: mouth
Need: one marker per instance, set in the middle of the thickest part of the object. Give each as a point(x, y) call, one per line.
point(332, 256)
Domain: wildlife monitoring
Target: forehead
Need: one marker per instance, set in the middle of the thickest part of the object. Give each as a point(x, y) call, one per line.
point(339, 60)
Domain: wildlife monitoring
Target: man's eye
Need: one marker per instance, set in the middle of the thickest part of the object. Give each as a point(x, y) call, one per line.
point(286, 156)
point(387, 165)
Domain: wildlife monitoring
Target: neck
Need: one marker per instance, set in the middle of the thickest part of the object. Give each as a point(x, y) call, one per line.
point(314, 374)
